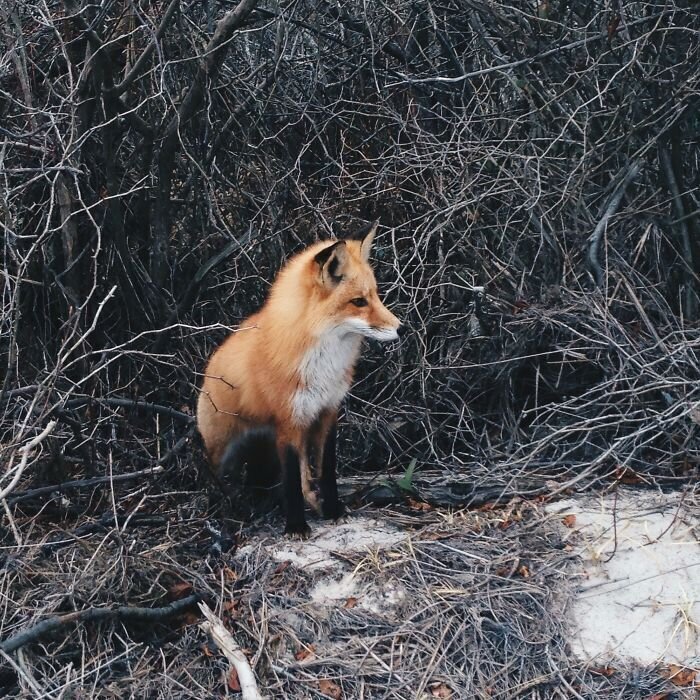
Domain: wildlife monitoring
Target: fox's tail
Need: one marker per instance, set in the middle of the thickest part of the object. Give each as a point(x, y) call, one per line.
point(251, 458)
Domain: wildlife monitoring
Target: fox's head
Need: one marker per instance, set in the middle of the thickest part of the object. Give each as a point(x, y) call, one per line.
point(349, 290)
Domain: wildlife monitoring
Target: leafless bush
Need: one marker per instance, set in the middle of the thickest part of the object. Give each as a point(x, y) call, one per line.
point(534, 167)
point(543, 154)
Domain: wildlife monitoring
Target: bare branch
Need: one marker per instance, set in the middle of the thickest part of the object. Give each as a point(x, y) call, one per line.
point(140, 63)
point(613, 205)
point(209, 66)
point(15, 472)
point(66, 486)
point(123, 613)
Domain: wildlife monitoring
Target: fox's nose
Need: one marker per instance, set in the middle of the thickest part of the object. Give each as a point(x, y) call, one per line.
point(402, 330)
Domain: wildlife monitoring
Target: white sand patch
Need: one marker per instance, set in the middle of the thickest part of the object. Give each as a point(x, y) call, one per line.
point(325, 551)
point(640, 593)
point(330, 591)
point(355, 535)
point(378, 597)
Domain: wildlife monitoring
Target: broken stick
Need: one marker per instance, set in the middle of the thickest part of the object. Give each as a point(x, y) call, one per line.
point(230, 649)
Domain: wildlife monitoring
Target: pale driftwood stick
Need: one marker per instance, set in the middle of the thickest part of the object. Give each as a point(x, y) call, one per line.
point(230, 649)
point(95, 615)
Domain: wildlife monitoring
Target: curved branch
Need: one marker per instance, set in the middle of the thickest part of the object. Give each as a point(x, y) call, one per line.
point(25, 456)
point(96, 615)
point(613, 205)
point(131, 403)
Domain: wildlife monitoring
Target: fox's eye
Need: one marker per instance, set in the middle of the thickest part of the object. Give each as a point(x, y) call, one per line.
point(359, 301)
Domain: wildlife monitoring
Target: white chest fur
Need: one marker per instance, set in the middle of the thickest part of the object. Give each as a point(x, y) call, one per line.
point(324, 374)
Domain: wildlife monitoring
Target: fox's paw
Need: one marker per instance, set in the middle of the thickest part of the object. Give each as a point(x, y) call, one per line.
point(312, 500)
point(298, 531)
point(334, 510)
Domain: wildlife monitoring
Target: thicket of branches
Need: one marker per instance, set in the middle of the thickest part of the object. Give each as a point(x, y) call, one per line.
point(534, 167)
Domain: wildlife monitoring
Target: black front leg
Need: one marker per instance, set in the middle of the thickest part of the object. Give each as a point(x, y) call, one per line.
point(332, 506)
point(293, 496)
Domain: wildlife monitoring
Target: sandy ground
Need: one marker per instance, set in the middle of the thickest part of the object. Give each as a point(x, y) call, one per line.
point(639, 596)
point(593, 598)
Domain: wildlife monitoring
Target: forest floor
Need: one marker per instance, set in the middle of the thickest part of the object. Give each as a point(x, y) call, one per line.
point(588, 597)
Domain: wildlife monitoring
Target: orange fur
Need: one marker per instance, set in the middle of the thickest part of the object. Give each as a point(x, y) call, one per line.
point(289, 365)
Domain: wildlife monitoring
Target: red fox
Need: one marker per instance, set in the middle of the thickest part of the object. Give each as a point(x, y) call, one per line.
point(272, 389)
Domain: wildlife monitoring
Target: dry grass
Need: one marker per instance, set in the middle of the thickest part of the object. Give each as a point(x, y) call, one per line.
point(472, 603)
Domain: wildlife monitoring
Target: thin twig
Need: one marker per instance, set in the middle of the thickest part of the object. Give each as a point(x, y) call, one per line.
point(24, 451)
point(130, 403)
point(689, 271)
point(81, 484)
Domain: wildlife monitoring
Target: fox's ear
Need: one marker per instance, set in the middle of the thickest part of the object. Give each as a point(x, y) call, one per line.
point(331, 261)
point(366, 245)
